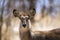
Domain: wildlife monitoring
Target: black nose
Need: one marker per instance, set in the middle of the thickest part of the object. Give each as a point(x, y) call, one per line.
point(24, 25)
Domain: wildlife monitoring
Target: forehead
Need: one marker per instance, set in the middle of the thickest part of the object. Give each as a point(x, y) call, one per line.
point(23, 13)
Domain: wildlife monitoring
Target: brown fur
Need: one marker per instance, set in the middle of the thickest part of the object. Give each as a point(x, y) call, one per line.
point(25, 34)
point(50, 35)
point(24, 31)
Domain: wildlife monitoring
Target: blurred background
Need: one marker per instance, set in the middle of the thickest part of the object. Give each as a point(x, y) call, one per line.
point(9, 25)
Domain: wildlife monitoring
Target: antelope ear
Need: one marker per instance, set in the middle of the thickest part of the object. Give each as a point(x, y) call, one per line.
point(15, 13)
point(32, 12)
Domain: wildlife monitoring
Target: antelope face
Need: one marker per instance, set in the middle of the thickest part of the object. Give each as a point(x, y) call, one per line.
point(24, 16)
point(24, 19)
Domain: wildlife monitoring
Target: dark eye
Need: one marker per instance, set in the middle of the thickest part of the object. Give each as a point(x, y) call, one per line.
point(27, 18)
point(22, 18)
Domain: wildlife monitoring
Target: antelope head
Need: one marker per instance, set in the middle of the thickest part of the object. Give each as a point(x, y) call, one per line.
point(24, 16)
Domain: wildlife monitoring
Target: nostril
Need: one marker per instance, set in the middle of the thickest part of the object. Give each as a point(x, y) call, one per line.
point(24, 25)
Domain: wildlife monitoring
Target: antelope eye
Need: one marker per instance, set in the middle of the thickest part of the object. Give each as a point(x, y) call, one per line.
point(27, 17)
point(22, 18)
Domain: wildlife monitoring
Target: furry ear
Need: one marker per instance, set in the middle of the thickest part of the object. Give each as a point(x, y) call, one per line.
point(15, 13)
point(32, 12)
